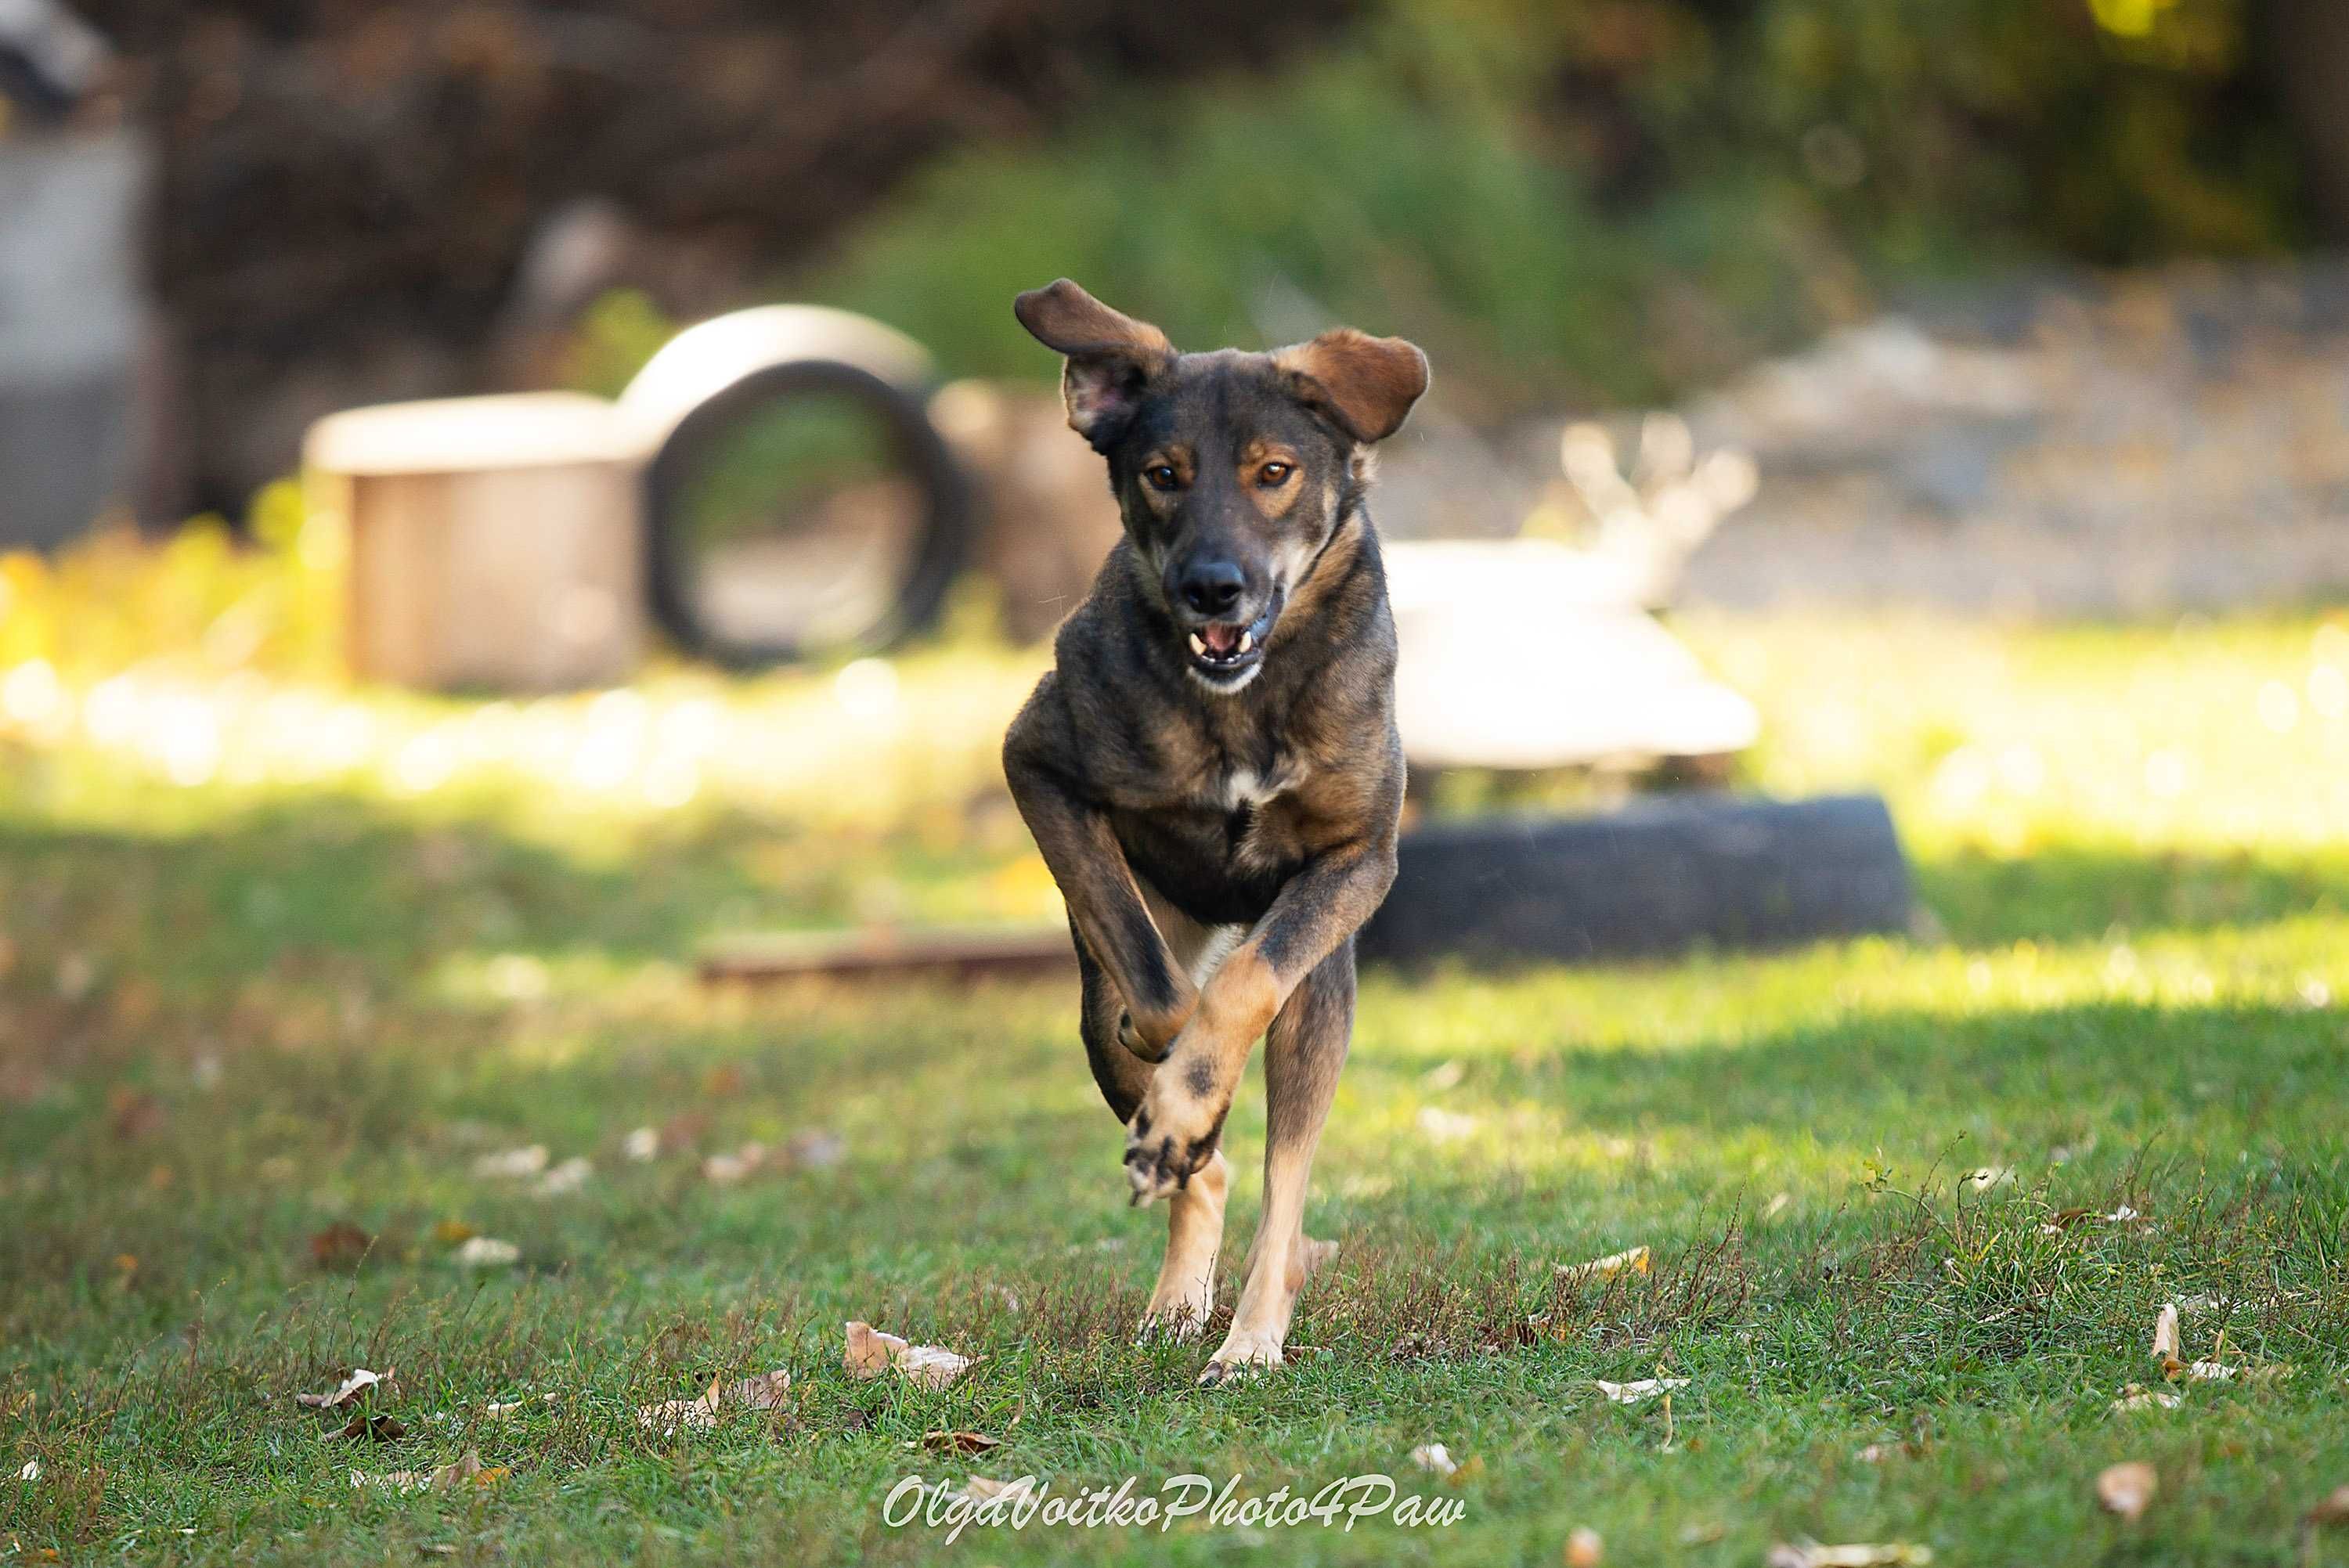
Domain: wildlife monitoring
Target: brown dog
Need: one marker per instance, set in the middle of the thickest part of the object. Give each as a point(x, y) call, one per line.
point(1211, 769)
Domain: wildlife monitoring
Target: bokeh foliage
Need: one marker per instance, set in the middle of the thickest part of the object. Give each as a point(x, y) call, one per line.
point(1604, 200)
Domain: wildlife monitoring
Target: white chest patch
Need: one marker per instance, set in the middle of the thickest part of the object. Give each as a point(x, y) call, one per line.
point(1243, 788)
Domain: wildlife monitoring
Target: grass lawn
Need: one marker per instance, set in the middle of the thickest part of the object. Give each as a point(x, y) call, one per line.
point(265, 1005)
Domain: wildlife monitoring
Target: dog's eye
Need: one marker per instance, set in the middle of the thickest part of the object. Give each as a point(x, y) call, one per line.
point(1273, 475)
point(1162, 476)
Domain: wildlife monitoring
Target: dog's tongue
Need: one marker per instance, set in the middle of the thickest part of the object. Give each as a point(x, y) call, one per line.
point(1221, 639)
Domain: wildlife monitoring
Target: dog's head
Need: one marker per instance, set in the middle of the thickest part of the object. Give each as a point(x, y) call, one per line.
point(1233, 470)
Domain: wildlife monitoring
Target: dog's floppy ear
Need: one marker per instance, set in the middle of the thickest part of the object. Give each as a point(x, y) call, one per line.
point(1111, 357)
point(1367, 384)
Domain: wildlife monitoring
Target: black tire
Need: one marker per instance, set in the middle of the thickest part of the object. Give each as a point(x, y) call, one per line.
point(1655, 878)
point(922, 454)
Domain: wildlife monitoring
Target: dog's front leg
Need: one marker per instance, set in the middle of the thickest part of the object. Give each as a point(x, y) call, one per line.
point(1105, 903)
point(1181, 1119)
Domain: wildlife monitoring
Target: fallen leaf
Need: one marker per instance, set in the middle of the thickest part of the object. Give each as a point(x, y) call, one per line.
point(467, 1467)
point(1585, 1548)
point(871, 1353)
point(1434, 1458)
point(981, 1489)
point(2332, 1509)
point(726, 1168)
point(133, 1113)
point(348, 1391)
point(2137, 1397)
point(373, 1424)
point(960, 1442)
point(1634, 1259)
point(339, 1245)
point(676, 1416)
point(513, 1164)
point(1877, 1453)
point(32, 1471)
point(567, 1177)
point(486, 1253)
point(1858, 1554)
point(449, 1233)
point(762, 1392)
point(2165, 1335)
point(2127, 1489)
point(642, 1144)
point(1644, 1388)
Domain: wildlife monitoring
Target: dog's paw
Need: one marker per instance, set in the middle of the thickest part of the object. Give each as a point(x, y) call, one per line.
point(1242, 1355)
point(1172, 1136)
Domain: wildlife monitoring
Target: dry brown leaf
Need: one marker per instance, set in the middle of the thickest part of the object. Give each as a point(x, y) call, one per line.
point(1858, 1554)
point(764, 1392)
point(1434, 1457)
point(2165, 1335)
point(339, 1245)
point(513, 1164)
point(465, 1469)
point(871, 1353)
point(348, 1391)
point(2332, 1509)
point(959, 1442)
point(566, 1177)
point(485, 1253)
point(1636, 1260)
point(2127, 1489)
point(2137, 1397)
point(1644, 1388)
point(133, 1113)
point(1585, 1548)
point(728, 1168)
point(374, 1424)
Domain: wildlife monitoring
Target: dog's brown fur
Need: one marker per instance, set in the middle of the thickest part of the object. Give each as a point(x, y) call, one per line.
point(1211, 770)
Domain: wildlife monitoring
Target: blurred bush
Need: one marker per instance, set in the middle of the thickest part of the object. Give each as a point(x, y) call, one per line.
point(271, 602)
point(1606, 201)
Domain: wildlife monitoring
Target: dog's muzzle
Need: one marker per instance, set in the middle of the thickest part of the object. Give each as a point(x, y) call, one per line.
point(1224, 653)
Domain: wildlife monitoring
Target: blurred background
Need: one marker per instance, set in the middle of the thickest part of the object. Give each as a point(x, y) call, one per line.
point(1762, 329)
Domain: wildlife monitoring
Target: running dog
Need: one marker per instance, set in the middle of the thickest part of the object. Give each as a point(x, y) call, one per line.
point(1211, 767)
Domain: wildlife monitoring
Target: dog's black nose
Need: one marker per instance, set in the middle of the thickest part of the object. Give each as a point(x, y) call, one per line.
point(1212, 587)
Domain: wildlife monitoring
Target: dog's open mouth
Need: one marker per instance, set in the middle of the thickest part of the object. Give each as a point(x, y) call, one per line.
point(1224, 650)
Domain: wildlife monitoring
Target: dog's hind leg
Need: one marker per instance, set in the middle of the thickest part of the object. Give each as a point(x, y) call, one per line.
point(1186, 1292)
point(1303, 1053)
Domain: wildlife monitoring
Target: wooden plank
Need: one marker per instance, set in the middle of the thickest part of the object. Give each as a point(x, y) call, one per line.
point(961, 953)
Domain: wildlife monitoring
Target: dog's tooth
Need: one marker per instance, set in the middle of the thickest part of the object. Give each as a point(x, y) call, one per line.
point(1248, 641)
point(1198, 645)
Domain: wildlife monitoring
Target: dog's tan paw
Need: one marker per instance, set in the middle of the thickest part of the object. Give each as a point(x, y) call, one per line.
point(1242, 1355)
point(1171, 1136)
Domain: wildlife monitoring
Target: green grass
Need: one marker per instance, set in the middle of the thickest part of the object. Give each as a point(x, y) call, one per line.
point(289, 994)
